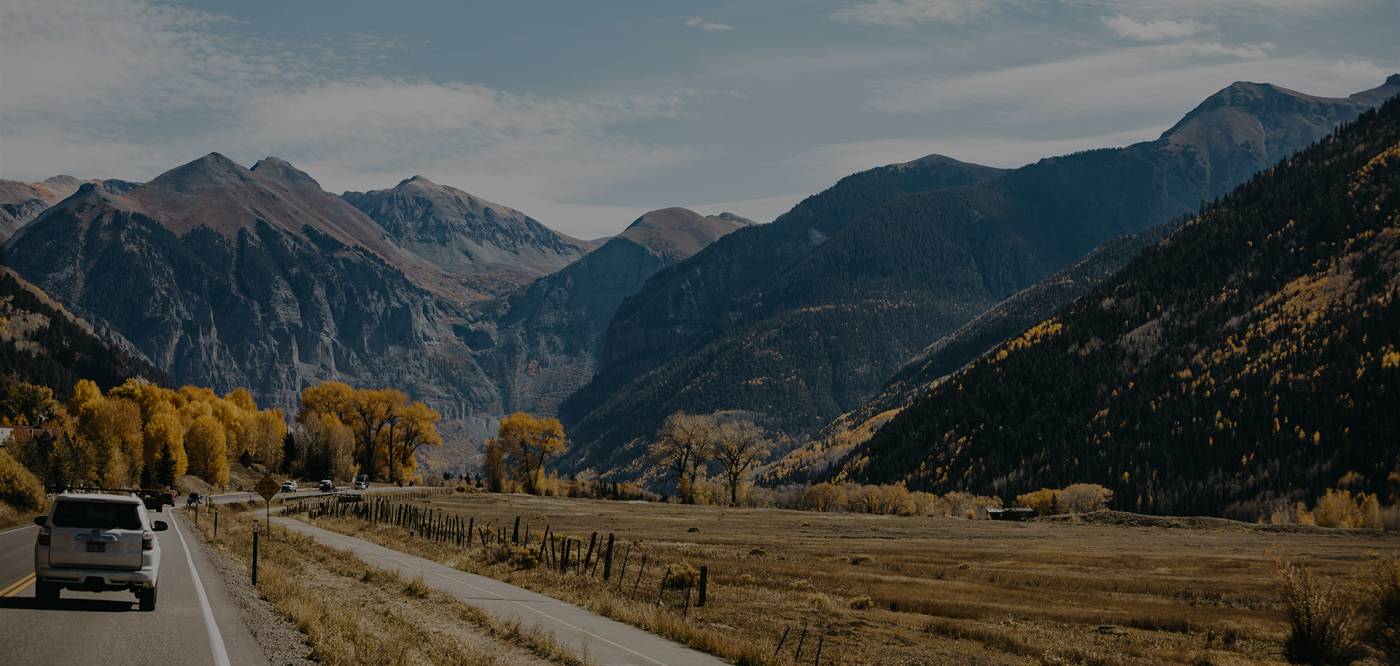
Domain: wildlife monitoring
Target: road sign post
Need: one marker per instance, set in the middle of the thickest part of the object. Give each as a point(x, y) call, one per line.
point(267, 487)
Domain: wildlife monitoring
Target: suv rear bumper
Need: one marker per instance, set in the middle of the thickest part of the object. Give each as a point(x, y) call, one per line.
point(97, 580)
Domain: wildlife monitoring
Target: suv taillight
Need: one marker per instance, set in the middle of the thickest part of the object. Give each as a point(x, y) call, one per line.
point(44, 533)
point(148, 540)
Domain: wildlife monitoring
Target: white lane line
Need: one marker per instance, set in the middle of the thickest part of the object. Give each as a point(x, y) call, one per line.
point(16, 529)
point(410, 567)
point(216, 639)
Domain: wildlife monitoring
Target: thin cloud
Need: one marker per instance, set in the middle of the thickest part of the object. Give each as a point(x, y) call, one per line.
point(905, 13)
point(129, 89)
point(1154, 30)
point(699, 23)
point(1157, 78)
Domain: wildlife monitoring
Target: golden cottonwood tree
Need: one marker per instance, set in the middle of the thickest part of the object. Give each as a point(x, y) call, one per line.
point(388, 430)
point(528, 442)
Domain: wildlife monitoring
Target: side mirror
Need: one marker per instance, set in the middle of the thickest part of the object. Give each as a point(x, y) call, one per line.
point(159, 526)
point(41, 520)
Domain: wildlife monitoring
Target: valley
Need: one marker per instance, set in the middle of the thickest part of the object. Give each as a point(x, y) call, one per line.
point(1103, 588)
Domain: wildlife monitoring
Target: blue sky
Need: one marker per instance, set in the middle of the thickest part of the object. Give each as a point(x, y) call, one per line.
point(586, 114)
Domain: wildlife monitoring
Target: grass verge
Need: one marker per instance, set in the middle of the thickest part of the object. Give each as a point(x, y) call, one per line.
point(353, 613)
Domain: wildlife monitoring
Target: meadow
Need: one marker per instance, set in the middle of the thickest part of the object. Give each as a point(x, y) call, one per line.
point(1103, 589)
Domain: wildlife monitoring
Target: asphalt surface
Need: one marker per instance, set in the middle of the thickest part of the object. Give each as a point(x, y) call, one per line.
point(195, 622)
point(583, 632)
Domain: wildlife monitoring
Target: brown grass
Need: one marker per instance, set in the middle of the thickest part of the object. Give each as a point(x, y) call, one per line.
point(352, 613)
point(941, 590)
point(9, 517)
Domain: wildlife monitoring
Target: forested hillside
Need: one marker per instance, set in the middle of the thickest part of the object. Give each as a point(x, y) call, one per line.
point(42, 343)
point(808, 318)
point(1253, 355)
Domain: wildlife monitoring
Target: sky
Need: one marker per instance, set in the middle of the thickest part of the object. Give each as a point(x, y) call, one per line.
point(587, 114)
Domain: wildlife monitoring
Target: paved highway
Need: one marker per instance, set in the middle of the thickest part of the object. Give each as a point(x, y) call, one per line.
point(195, 622)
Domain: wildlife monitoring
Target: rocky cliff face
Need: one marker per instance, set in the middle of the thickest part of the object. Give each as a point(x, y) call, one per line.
point(490, 248)
point(805, 319)
point(547, 336)
point(230, 277)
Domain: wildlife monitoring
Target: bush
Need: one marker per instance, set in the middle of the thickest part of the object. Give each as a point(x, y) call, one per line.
point(681, 575)
point(1084, 498)
point(417, 587)
point(1384, 633)
point(862, 603)
point(1322, 625)
point(824, 497)
point(18, 486)
point(519, 557)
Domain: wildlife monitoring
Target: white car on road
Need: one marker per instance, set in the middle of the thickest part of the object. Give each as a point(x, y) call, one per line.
point(96, 543)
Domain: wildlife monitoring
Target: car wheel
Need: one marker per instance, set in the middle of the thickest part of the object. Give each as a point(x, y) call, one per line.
point(147, 598)
point(46, 594)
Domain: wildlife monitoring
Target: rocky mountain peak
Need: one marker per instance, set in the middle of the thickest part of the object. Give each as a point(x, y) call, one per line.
point(467, 236)
point(282, 171)
point(678, 233)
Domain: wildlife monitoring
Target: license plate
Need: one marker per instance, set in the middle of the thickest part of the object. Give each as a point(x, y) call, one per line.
point(96, 547)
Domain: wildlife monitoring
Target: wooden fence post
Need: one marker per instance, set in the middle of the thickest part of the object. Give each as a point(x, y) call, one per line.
point(704, 583)
point(607, 560)
point(515, 532)
point(592, 542)
point(782, 639)
point(640, 573)
point(622, 573)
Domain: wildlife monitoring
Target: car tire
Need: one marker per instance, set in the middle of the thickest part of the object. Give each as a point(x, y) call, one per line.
point(147, 599)
point(46, 594)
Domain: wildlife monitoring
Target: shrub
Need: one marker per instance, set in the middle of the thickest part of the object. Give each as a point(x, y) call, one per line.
point(681, 575)
point(1043, 501)
point(1084, 498)
point(18, 486)
point(1384, 632)
point(1322, 624)
point(858, 560)
point(862, 603)
point(417, 587)
point(823, 497)
point(518, 557)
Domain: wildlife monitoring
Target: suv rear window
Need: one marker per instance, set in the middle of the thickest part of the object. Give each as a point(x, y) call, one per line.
point(96, 515)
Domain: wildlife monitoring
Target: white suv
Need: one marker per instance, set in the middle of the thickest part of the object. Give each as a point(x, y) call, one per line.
point(97, 543)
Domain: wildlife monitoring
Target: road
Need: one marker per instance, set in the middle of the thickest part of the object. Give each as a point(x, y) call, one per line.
point(195, 621)
point(582, 632)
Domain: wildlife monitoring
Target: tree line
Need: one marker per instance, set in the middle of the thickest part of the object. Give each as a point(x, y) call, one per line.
point(140, 434)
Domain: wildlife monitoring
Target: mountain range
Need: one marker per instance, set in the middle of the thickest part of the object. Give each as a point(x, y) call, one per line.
point(806, 318)
point(21, 202)
point(229, 276)
point(824, 324)
point(1265, 373)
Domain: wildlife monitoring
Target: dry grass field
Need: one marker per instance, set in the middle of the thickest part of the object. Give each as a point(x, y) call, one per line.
point(354, 614)
point(895, 590)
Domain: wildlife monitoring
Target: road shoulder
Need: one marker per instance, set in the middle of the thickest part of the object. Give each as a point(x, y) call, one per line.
point(233, 624)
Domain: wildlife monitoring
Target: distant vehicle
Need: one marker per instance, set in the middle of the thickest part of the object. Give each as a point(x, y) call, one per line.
point(361, 485)
point(289, 486)
point(97, 543)
point(152, 501)
point(327, 486)
point(167, 497)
